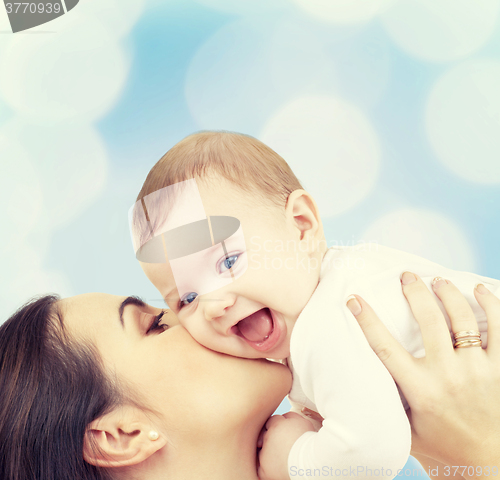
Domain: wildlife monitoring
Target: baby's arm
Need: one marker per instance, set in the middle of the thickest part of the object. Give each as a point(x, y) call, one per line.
point(365, 432)
point(365, 428)
point(277, 438)
point(381, 286)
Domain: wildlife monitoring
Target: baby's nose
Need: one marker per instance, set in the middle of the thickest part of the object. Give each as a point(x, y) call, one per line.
point(215, 307)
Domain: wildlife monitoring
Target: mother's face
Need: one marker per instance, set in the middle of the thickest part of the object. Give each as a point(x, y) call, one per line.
point(182, 380)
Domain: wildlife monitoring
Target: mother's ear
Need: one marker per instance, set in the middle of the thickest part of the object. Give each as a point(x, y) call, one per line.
point(121, 438)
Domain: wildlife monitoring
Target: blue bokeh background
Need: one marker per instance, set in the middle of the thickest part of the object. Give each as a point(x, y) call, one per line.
point(388, 111)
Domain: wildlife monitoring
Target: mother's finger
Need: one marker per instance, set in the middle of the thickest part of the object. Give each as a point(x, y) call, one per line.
point(426, 311)
point(456, 306)
point(491, 306)
point(395, 358)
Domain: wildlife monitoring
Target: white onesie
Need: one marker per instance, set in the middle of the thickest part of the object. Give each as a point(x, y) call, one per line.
point(365, 433)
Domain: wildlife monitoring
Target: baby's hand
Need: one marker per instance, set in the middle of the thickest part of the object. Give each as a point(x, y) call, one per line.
point(279, 434)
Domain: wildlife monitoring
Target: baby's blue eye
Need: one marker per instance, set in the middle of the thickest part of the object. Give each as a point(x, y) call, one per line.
point(190, 297)
point(229, 262)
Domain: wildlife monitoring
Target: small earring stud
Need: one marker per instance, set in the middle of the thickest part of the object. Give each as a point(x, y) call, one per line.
point(153, 435)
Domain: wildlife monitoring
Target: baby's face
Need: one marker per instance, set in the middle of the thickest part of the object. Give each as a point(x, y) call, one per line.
point(253, 315)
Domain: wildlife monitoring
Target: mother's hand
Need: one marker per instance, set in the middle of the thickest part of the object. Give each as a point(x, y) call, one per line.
point(454, 394)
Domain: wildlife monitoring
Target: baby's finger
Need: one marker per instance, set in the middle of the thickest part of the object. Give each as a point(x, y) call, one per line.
point(395, 358)
point(290, 415)
point(426, 311)
point(273, 421)
point(260, 438)
point(491, 306)
point(456, 306)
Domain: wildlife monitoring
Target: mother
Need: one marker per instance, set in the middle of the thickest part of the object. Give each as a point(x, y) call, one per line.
point(99, 387)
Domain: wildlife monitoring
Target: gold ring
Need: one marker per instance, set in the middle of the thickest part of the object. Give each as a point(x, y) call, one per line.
point(467, 333)
point(468, 343)
point(468, 340)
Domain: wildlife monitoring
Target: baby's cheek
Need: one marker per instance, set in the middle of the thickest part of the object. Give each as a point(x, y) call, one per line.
point(189, 325)
point(171, 318)
point(201, 331)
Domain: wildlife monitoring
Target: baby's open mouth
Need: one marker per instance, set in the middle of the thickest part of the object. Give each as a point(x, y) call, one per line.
point(260, 330)
point(257, 327)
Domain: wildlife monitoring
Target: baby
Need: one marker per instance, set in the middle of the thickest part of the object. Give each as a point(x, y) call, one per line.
point(238, 253)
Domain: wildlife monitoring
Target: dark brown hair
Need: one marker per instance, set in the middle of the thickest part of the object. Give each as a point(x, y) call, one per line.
point(50, 391)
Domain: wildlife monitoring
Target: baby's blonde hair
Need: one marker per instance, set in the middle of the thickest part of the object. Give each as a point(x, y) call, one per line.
point(243, 160)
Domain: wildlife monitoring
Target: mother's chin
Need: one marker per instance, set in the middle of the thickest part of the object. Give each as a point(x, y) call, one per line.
point(225, 435)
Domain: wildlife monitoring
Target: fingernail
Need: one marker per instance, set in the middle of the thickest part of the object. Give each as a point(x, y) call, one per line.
point(482, 289)
point(408, 278)
point(438, 281)
point(353, 305)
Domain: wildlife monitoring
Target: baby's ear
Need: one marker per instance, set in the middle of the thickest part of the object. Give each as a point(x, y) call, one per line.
point(121, 438)
point(302, 212)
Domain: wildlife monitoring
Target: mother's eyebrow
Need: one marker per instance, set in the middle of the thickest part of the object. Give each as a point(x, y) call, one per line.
point(132, 300)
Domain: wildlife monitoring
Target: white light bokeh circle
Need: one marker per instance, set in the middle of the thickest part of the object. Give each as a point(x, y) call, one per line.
point(248, 68)
point(226, 77)
point(443, 30)
point(331, 147)
point(6, 32)
point(364, 65)
point(26, 277)
point(298, 61)
point(20, 192)
point(70, 163)
point(117, 16)
point(4, 22)
point(463, 120)
point(78, 73)
point(244, 7)
point(343, 11)
point(424, 233)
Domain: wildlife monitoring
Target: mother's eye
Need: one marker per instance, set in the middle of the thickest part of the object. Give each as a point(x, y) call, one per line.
point(156, 325)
